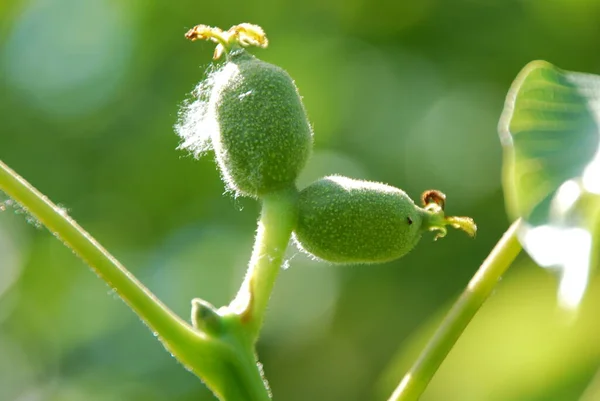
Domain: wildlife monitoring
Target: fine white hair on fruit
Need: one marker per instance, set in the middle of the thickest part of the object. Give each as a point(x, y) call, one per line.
point(196, 123)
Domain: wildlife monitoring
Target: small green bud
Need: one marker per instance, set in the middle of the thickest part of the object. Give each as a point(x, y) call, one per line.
point(205, 317)
point(257, 122)
point(342, 220)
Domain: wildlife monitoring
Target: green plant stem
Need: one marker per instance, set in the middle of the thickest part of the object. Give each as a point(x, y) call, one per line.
point(278, 218)
point(139, 298)
point(462, 312)
point(232, 375)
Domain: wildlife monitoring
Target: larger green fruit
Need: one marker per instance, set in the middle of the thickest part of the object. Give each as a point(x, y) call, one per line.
point(264, 138)
point(250, 113)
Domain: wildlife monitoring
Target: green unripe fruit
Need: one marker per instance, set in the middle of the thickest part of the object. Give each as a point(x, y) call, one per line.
point(342, 220)
point(264, 137)
point(251, 113)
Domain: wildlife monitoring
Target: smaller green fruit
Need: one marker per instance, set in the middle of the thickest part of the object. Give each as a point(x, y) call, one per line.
point(342, 220)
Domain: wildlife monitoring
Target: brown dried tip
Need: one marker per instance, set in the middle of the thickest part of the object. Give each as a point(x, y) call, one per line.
point(203, 32)
point(434, 202)
point(434, 196)
point(238, 35)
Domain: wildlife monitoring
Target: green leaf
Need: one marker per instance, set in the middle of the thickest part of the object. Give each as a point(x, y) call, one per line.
point(550, 131)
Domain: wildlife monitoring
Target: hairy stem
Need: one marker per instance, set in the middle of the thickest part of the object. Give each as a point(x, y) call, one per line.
point(138, 297)
point(278, 217)
point(231, 373)
point(462, 312)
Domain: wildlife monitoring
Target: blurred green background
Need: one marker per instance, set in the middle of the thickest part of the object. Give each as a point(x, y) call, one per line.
point(407, 93)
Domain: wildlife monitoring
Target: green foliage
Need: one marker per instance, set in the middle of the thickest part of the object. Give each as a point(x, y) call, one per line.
point(551, 138)
point(549, 129)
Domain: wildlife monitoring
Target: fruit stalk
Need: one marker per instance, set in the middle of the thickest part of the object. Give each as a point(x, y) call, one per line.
point(278, 218)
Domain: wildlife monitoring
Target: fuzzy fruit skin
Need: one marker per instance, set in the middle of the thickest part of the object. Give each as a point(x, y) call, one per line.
point(264, 138)
point(342, 220)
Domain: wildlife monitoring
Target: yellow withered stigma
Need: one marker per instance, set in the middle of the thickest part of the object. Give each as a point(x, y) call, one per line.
point(243, 35)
